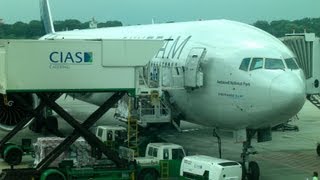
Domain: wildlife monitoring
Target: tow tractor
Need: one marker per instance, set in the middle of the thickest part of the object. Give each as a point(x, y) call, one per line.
point(162, 160)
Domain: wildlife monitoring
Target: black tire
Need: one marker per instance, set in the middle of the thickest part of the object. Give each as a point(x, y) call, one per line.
point(52, 174)
point(38, 123)
point(52, 123)
point(13, 156)
point(318, 149)
point(4, 147)
point(148, 174)
point(253, 171)
point(55, 176)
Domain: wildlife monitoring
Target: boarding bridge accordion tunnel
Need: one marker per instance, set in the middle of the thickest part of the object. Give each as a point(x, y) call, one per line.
point(306, 47)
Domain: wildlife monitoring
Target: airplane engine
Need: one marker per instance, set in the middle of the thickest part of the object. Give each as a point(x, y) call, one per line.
point(14, 108)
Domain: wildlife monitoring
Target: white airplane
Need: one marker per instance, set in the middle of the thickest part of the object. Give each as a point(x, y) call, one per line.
point(239, 77)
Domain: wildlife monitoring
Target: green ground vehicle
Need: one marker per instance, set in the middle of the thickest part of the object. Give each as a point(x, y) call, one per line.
point(162, 160)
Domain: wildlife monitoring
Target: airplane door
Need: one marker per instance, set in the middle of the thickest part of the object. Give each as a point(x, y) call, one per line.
point(193, 74)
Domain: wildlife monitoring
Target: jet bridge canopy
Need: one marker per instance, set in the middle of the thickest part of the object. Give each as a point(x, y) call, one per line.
point(72, 65)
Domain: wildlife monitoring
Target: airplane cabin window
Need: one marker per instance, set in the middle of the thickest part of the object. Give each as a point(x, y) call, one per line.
point(257, 63)
point(291, 63)
point(245, 64)
point(274, 64)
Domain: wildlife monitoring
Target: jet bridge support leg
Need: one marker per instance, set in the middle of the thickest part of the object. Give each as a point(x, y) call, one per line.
point(251, 170)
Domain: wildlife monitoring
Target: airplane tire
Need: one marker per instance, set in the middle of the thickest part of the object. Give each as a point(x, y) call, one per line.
point(37, 124)
point(52, 123)
point(318, 149)
point(254, 171)
point(148, 174)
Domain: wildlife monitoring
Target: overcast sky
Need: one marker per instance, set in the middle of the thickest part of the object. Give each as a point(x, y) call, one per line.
point(142, 11)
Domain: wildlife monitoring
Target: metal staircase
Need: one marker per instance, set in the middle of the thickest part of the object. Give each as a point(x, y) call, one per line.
point(314, 99)
point(164, 169)
point(132, 130)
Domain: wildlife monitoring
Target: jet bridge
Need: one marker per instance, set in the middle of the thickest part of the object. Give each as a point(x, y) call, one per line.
point(306, 47)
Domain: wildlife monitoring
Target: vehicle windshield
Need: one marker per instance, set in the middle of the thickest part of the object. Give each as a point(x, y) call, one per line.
point(274, 64)
point(291, 63)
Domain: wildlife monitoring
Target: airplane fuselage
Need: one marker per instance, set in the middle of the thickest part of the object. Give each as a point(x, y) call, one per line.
point(230, 97)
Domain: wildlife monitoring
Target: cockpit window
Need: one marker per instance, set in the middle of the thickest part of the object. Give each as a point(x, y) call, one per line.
point(257, 63)
point(245, 64)
point(291, 63)
point(274, 64)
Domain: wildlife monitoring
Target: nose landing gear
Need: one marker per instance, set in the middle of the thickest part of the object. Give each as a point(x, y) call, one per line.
point(250, 169)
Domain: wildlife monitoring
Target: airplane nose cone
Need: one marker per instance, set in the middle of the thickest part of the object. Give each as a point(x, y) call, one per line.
point(287, 94)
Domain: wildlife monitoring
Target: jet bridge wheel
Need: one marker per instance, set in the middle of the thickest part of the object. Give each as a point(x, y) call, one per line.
point(318, 149)
point(253, 171)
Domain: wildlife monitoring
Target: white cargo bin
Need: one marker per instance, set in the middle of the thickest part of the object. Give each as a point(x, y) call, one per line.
point(200, 166)
point(73, 65)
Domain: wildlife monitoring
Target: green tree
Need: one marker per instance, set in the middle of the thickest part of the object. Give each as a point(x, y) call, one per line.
point(72, 24)
point(19, 29)
point(264, 25)
point(35, 29)
point(110, 24)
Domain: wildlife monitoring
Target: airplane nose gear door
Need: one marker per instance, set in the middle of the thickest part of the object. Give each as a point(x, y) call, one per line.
point(193, 74)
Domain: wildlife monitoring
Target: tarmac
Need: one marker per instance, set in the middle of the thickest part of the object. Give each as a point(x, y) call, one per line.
point(291, 155)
